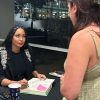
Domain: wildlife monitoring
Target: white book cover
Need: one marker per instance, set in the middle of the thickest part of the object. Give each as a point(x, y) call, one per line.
point(38, 87)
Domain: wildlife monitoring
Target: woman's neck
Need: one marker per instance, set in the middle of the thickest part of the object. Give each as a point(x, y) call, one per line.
point(15, 50)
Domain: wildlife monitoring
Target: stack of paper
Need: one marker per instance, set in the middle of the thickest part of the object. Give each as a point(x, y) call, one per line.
point(38, 87)
point(56, 73)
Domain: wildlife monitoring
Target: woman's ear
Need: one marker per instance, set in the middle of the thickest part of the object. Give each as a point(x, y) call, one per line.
point(74, 8)
point(73, 14)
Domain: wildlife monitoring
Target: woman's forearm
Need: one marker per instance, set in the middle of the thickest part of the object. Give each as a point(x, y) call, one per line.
point(6, 82)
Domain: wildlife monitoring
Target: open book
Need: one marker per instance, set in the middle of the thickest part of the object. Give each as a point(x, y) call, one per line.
point(38, 87)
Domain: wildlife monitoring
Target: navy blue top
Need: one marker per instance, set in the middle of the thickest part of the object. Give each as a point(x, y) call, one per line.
point(18, 66)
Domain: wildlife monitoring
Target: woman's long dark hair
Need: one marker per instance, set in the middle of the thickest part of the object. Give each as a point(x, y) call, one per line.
point(8, 41)
point(88, 11)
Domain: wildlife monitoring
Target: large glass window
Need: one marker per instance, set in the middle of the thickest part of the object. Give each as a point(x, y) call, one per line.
point(46, 21)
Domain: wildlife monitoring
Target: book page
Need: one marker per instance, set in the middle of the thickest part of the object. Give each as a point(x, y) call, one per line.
point(39, 87)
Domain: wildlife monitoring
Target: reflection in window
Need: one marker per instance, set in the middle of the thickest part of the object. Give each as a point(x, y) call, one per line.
point(45, 20)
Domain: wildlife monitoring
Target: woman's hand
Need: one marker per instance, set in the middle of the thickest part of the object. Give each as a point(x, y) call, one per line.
point(24, 83)
point(38, 75)
point(41, 76)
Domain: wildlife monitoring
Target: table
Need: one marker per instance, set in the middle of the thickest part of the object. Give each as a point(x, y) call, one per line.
point(54, 94)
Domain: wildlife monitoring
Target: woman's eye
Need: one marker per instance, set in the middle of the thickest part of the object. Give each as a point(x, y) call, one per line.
point(17, 35)
point(20, 36)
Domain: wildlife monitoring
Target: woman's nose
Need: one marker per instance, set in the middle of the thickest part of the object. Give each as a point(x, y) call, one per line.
point(21, 38)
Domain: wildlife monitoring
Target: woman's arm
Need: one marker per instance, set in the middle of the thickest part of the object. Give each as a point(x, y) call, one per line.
point(35, 72)
point(75, 66)
point(6, 82)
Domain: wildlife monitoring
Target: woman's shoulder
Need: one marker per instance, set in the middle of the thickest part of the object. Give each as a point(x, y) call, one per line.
point(2, 48)
point(81, 39)
point(81, 35)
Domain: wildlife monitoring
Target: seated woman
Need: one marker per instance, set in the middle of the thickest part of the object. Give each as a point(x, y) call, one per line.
point(16, 60)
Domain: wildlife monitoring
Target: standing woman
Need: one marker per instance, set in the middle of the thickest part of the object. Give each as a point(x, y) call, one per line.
point(16, 59)
point(81, 80)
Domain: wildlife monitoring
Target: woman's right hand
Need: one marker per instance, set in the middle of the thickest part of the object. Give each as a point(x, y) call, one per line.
point(24, 83)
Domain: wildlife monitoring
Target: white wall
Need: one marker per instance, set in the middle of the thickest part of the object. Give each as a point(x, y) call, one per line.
point(6, 17)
